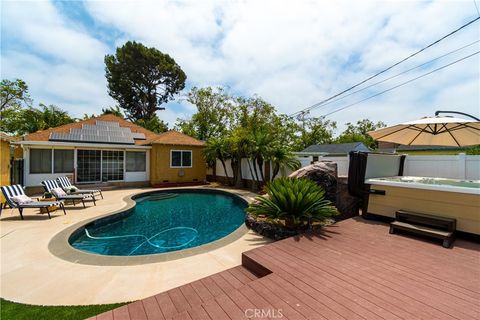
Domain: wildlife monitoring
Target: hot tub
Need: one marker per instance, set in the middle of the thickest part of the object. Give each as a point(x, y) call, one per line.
point(459, 199)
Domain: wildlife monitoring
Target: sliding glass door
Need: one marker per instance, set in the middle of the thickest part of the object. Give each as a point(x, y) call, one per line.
point(89, 165)
point(100, 165)
point(112, 165)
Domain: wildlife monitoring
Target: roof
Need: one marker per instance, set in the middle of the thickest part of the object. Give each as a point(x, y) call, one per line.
point(170, 137)
point(337, 148)
point(173, 137)
point(7, 137)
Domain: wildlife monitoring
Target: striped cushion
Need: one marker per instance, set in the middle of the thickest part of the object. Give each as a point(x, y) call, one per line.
point(64, 182)
point(50, 184)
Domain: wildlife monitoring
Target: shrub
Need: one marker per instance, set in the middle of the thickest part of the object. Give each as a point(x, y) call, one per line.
point(297, 201)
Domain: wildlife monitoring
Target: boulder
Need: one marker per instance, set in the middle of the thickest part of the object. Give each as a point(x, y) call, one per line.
point(324, 173)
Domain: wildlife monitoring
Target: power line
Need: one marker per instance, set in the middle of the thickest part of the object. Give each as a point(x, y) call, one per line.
point(401, 84)
point(394, 76)
point(386, 69)
point(476, 7)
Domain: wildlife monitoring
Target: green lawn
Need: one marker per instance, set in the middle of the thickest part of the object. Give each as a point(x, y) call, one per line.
point(11, 310)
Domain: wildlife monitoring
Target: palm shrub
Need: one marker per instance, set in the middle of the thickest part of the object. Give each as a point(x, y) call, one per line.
point(297, 201)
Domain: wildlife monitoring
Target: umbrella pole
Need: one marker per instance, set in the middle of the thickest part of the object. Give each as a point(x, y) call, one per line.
point(457, 112)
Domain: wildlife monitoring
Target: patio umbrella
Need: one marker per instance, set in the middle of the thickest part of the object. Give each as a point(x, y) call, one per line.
point(432, 131)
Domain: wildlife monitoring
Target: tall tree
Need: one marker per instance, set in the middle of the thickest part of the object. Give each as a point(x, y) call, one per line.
point(217, 148)
point(359, 132)
point(154, 124)
point(30, 119)
point(213, 116)
point(141, 79)
point(315, 131)
point(116, 111)
point(14, 94)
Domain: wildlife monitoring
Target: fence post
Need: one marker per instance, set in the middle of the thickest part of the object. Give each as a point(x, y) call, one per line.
point(462, 164)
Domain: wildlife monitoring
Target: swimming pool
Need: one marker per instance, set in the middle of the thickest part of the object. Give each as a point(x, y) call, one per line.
point(163, 221)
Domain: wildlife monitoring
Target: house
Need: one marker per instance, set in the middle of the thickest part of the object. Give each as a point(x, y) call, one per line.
point(5, 154)
point(110, 149)
point(329, 150)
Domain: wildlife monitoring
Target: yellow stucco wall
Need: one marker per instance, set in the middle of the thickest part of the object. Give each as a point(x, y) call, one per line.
point(4, 165)
point(160, 170)
point(18, 152)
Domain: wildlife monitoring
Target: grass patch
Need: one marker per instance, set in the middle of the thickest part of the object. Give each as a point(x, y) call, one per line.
point(12, 310)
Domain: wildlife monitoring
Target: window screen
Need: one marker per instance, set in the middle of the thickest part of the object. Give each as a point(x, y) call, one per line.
point(181, 159)
point(62, 161)
point(40, 161)
point(136, 161)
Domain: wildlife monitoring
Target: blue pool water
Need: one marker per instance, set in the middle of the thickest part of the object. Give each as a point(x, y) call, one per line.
point(163, 222)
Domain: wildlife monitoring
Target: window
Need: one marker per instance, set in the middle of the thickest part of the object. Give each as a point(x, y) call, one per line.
point(136, 161)
point(40, 161)
point(112, 165)
point(181, 159)
point(62, 161)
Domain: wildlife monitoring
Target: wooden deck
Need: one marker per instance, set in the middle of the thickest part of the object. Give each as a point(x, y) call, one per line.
point(353, 270)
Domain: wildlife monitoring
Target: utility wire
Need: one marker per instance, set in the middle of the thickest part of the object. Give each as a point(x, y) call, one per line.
point(476, 7)
point(402, 84)
point(398, 74)
point(385, 70)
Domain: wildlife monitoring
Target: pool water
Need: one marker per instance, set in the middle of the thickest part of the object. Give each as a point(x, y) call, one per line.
point(164, 222)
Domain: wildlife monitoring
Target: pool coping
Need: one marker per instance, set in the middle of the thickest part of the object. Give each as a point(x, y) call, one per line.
point(60, 247)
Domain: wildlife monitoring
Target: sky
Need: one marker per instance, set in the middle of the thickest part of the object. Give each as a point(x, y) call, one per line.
point(293, 54)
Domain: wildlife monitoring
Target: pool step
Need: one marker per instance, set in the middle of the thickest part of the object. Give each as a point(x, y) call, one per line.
point(158, 196)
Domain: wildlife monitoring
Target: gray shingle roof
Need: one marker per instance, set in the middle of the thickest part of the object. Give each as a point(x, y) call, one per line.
point(337, 148)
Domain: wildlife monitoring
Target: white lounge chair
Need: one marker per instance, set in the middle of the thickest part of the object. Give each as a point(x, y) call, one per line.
point(65, 183)
point(16, 190)
point(53, 187)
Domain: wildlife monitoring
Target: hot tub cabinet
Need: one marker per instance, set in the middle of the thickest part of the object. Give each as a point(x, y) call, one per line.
point(448, 198)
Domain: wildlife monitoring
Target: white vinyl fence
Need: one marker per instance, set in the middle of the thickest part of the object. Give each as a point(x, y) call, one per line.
point(448, 166)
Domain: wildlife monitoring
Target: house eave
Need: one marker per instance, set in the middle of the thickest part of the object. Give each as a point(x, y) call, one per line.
point(81, 145)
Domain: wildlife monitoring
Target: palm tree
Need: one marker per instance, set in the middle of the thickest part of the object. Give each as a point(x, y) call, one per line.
point(216, 148)
point(262, 141)
point(239, 146)
point(282, 158)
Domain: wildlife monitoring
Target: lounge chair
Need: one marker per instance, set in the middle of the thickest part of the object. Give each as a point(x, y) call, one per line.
point(16, 190)
point(65, 183)
point(59, 194)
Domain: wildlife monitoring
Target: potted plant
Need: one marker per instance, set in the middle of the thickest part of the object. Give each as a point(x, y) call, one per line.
point(47, 195)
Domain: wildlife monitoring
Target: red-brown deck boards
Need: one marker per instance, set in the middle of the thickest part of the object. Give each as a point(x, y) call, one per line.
point(404, 283)
point(137, 311)
point(198, 314)
point(105, 316)
point(152, 309)
point(121, 313)
point(202, 291)
point(403, 278)
point(353, 270)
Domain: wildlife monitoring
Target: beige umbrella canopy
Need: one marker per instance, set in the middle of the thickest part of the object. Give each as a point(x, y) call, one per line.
point(432, 131)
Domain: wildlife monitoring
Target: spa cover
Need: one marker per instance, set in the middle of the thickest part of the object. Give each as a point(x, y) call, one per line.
point(432, 131)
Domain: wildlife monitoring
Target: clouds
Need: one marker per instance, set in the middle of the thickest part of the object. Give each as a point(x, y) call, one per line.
point(293, 54)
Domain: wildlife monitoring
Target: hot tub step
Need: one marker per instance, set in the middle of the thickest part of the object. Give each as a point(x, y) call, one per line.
point(426, 225)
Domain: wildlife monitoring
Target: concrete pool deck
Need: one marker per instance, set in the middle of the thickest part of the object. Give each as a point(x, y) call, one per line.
point(31, 274)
